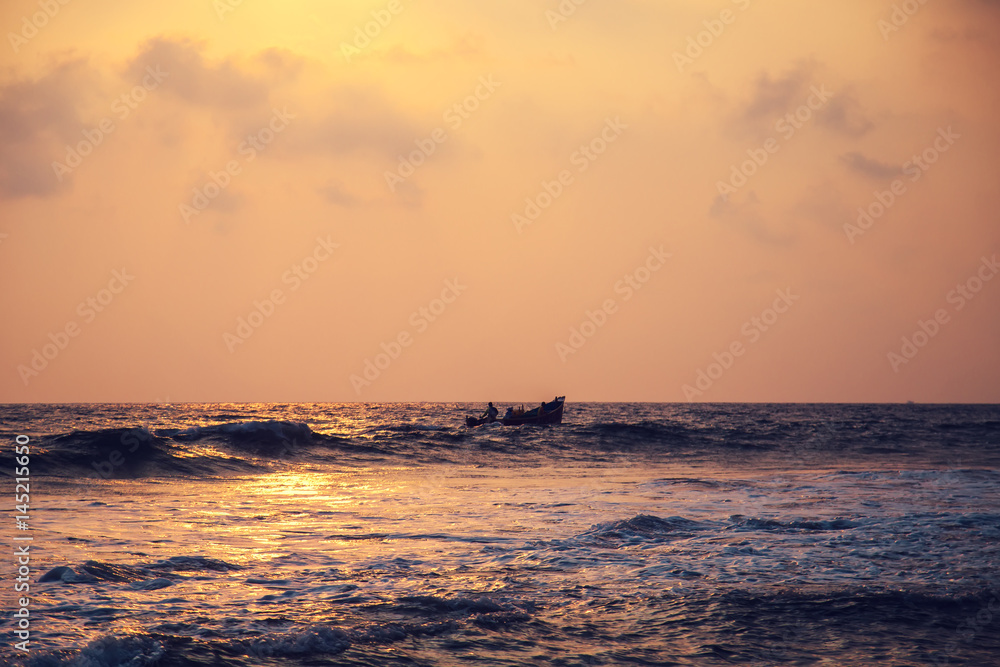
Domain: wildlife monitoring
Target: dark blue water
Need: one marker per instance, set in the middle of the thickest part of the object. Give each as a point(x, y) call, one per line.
point(199, 441)
point(648, 534)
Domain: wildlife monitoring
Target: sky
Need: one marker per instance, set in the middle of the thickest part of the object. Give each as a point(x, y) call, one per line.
point(727, 200)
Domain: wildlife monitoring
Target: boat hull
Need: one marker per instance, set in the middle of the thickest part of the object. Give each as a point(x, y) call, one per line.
point(552, 413)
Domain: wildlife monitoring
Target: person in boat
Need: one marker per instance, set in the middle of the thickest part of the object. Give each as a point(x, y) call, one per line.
point(509, 414)
point(491, 414)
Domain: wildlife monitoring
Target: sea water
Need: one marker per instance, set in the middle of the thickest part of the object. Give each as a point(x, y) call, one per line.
point(391, 534)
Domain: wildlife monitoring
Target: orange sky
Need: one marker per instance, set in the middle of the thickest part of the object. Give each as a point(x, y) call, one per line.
point(225, 201)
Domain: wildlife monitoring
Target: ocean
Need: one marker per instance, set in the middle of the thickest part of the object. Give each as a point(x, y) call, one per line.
point(391, 534)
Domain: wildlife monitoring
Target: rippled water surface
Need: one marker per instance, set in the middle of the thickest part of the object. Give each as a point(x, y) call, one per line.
point(632, 534)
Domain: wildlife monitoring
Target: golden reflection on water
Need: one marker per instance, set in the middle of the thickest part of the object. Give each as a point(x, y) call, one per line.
point(354, 518)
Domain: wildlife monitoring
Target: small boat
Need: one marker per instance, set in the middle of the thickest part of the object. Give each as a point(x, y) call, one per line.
point(546, 413)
